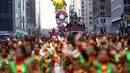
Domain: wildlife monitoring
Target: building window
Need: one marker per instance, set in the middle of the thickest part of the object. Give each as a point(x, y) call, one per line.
point(19, 5)
point(86, 8)
point(82, 10)
point(90, 22)
point(82, 18)
point(104, 20)
point(102, 7)
point(101, 21)
point(82, 6)
point(102, 13)
point(90, 13)
point(102, 0)
point(101, 30)
point(90, 18)
point(82, 2)
point(82, 14)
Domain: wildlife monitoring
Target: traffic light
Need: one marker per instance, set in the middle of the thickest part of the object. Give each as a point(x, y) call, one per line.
point(127, 18)
point(121, 24)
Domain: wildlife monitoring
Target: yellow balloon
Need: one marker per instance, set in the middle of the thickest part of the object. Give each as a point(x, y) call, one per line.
point(58, 2)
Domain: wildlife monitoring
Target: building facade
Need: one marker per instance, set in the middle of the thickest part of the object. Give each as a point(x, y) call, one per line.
point(6, 17)
point(76, 6)
point(120, 10)
point(117, 8)
point(20, 17)
point(102, 16)
point(87, 14)
point(12, 17)
point(33, 16)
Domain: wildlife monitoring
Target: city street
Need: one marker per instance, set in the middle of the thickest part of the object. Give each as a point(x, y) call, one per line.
point(84, 36)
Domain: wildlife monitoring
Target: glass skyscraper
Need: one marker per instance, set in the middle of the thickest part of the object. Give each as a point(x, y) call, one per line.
point(6, 16)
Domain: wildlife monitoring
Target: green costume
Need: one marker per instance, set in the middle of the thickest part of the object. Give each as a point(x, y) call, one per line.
point(39, 58)
point(14, 67)
point(7, 61)
point(128, 59)
point(99, 67)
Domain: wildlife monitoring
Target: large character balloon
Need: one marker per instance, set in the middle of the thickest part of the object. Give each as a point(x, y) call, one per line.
point(58, 2)
point(59, 5)
point(61, 15)
point(63, 8)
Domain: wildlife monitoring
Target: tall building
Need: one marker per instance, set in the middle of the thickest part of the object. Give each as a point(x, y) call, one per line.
point(102, 16)
point(76, 6)
point(6, 17)
point(31, 16)
point(12, 17)
point(37, 17)
point(87, 14)
point(19, 13)
point(33, 11)
point(22, 16)
point(119, 8)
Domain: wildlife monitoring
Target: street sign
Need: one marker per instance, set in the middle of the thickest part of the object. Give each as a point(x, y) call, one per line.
point(18, 34)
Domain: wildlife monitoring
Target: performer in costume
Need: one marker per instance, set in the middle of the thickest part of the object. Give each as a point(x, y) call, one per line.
point(118, 56)
point(101, 64)
point(80, 62)
point(49, 58)
point(47, 61)
point(37, 58)
point(92, 52)
point(13, 47)
point(4, 61)
point(127, 64)
point(19, 66)
point(28, 54)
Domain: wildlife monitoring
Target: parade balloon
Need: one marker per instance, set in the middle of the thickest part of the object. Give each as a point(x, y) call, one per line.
point(58, 2)
point(61, 17)
point(63, 8)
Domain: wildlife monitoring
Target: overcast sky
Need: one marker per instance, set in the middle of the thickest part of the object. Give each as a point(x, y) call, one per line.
point(47, 14)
